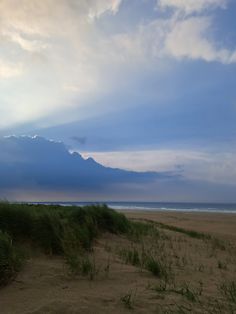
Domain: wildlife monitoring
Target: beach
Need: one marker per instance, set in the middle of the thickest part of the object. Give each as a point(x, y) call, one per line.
point(195, 253)
point(219, 224)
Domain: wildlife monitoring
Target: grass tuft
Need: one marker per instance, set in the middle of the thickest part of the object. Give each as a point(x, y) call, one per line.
point(228, 289)
point(10, 259)
point(128, 300)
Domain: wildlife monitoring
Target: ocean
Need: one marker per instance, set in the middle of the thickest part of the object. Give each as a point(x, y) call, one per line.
point(159, 206)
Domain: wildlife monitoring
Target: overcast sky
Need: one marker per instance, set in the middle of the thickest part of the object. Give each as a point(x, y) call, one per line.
point(141, 85)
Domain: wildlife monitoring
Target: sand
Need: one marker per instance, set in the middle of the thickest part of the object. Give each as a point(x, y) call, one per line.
point(198, 266)
point(223, 225)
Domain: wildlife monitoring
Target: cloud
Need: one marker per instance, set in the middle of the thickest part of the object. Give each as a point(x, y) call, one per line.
point(188, 38)
point(99, 7)
point(190, 34)
point(57, 44)
point(190, 6)
point(79, 139)
point(66, 59)
point(193, 165)
point(177, 37)
point(10, 70)
point(37, 163)
point(43, 18)
point(29, 45)
point(36, 168)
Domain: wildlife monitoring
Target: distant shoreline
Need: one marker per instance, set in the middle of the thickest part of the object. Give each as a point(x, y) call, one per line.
point(180, 207)
point(211, 212)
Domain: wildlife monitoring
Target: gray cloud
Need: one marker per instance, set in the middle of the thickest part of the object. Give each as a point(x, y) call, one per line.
point(79, 139)
point(36, 163)
point(33, 167)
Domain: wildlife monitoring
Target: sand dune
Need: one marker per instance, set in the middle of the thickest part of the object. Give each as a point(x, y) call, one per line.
point(198, 267)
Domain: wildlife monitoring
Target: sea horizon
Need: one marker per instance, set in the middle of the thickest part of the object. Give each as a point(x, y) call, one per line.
point(207, 207)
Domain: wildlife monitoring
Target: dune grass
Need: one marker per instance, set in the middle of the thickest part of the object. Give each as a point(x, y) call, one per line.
point(164, 257)
point(54, 229)
point(188, 232)
point(10, 259)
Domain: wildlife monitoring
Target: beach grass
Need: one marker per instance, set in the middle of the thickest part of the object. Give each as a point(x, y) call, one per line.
point(10, 259)
point(67, 231)
point(148, 264)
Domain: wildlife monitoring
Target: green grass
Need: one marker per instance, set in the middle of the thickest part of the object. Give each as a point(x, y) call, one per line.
point(10, 259)
point(228, 289)
point(131, 256)
point(82, 264)
point(145, 259)
point(215, 242)
point(55, 229)
point(157, 267)
point(190, 233)
point(138, 230)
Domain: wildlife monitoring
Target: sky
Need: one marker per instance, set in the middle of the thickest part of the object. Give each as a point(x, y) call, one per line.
point(144, 85)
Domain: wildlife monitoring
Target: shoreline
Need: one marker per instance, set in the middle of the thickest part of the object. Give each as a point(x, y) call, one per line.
point(225, 208)
point(185, 211)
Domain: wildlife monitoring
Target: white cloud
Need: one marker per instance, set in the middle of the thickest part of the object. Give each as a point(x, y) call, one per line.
point(193, 165)
point(29, 45)
point(190, 34)
point(9, 70)
point(56, 44)
point(175, 37)
point(63, 58)
point(190, 6)
point(233, 57)
point(99, 7)
point(47, 17)
point(188, 39)
point(147, 41)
